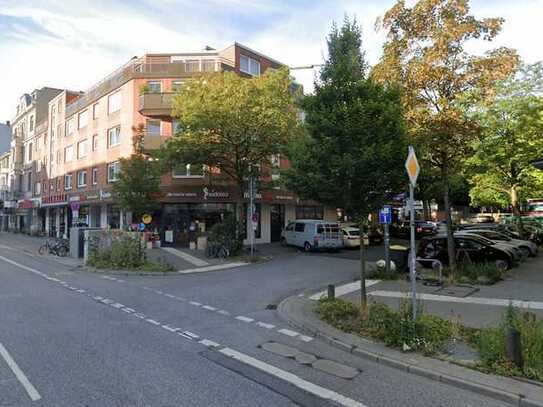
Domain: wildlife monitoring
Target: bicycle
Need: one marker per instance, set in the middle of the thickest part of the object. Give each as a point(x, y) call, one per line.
point(58, 247)
point(217, 250)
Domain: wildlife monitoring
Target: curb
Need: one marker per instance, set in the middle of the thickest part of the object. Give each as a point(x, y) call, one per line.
point(483, 389)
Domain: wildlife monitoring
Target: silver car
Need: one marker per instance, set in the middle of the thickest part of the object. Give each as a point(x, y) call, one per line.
point(525, 246)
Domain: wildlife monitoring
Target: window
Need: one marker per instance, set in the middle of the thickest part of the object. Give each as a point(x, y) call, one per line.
point(113, 170)
point(309, 212)
point(59, 130)
point(94, 176)
point(290, 227)
point(177, 127)
point(95, 142)
point(37, 188)
point(29, 181)
point(249, 65)
point(70, 126)
point(81, 179)
point(82, 148)
point(153, 127)
point(29, 152)
point(114, 102)
point(176, 86)
point(188, 170)
point(68, 181)
point(95, 111)
point(31, 125)
point(114, 136)
point(154, 86)
point(58, 183)
point(83, 119)
point(275, 167)
point(68, 154)
point(58, 156)
point(299, 227)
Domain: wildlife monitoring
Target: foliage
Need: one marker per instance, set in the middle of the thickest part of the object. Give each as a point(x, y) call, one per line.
point(484, 273)
point(341, 314)
point(225, 234)
point(425, 56)
point(138, 186)
point(116, 250)
point(491, 345)
point(501, 170)
point(144, 89)
point(352, 154)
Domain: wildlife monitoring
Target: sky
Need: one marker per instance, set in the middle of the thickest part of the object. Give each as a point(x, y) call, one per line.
point(72, 44)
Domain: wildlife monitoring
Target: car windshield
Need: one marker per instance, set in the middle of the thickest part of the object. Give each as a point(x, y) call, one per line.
point(353, 232)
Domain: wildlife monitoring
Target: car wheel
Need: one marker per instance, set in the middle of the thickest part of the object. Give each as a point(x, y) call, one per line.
point(307, 247)
point(502, 265)
point(283, 242)
point(525, 252)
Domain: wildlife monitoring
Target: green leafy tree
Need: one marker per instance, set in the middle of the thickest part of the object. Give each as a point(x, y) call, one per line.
point(425, 56)
point(233, 124)
point(352, 154)
point(501, 169)
point(138, 186)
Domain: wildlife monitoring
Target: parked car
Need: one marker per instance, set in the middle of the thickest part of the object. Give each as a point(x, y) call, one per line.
point(515, 252)
point(474, 250)
point(525, 246)
point(422, 228)
point(351, 236)
point(313, 235)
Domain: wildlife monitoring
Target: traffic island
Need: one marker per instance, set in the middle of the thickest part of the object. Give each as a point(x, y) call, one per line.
point(301, 312)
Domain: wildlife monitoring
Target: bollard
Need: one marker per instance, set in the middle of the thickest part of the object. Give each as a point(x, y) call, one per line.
point(513, 348)
point(331, 291)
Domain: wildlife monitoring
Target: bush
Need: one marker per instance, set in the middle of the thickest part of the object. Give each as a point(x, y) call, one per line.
point(338, 313)
point(225, 233)
point(485, 273)
point(491, 345)
point(116, 250)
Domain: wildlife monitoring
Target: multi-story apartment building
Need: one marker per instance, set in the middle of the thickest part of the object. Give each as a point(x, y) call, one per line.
point(29, 135)
point(5, 144)
point(89, 132)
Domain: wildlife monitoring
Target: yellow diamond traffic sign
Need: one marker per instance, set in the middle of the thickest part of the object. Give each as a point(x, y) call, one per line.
point(412, 166)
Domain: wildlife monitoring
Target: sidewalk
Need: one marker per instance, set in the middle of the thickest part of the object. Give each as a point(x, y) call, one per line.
point(299, 312)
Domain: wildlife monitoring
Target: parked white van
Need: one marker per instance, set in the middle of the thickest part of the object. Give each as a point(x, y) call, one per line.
point(313, 235)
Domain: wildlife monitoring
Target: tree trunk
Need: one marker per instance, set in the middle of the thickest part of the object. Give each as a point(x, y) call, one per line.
point(363, 295)
point(451, 249)
point(514, 201)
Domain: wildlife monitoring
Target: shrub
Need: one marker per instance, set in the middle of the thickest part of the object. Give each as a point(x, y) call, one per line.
point(338, 313)
point(480, 273)
point(116, 250)
point(225, 233)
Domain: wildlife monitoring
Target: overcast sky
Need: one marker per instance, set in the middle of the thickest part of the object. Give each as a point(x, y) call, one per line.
point(73, 43)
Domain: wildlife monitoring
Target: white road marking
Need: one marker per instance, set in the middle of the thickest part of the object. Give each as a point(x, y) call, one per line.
point(139, 315)
point(344, 289)
point(195, 303)
point(500, 302)
point(170, 295)
point(209, 307)
point(185, 256)
point(297, 381)
point(192, 335)
point(244, 319)
point(288, 332)
point(22, 266)
point(265, 325)
point(170, 328)
point(107, 301)
point(223, 312)
point(152, 321)
point(127, 310)
point(216, 267)
point(208, 343)
point(117, 305)
point(30, 389)
point(305, 338)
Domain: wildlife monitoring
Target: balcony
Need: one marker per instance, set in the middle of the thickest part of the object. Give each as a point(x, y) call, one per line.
point(153, 141)
point(156, 104)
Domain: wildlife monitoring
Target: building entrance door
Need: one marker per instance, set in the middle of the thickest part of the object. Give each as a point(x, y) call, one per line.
point(277, 221)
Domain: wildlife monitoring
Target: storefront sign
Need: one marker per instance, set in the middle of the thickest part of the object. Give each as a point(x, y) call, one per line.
point(168, 236)
point(285, 197)
point(54, 199)
point(258, 195)
point(92, 197)
point(214, 194)
point(26, 204)
point(182, 194)
point(10, 204)
point(74, 207)
point(74, 198)
point(105, 194)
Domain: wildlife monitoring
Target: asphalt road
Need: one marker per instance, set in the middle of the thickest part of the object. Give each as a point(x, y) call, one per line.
point(71, 338)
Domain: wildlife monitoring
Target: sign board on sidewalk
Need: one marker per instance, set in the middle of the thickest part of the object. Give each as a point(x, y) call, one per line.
point(385, 215)
point(146, 218)
point(412, 166)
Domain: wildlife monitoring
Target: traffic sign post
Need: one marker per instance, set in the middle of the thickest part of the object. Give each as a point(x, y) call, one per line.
point(413, 169)
point(385, 218)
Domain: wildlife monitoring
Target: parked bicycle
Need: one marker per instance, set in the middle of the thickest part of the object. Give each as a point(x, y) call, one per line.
point(217, 250)
point(58, 247)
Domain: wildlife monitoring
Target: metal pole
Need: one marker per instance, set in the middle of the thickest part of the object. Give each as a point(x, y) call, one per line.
point(413, 255)
point(387, 249)
point(251, 200)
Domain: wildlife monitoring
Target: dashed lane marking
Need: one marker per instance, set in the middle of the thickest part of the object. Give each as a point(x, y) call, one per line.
point(244, 319)
point(265, 325)
point(288, 332)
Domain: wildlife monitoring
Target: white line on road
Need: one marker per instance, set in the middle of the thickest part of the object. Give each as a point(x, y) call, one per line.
point(209, 308)
point(297, 381)
point(197, 304)
point(462, 300)
point(209, 344)
point(265, 325)
point(216, 267)
point(185, 256)
point(288, 332)
point(244, 319)
point(344, 289)
point(152, 321)
point(30, 389)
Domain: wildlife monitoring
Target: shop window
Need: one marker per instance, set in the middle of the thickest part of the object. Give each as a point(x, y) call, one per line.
point(309, 212)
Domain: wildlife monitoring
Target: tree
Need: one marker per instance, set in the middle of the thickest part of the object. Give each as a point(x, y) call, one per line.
point(233, 124)
point(138, 186)
point(352, 154)
point(501, 169)
point(424, 55)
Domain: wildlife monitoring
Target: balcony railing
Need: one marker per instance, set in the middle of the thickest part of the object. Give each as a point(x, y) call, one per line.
point(156, 104)
point(136, 68)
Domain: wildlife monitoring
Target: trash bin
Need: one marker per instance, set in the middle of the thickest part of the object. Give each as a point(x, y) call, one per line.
point(399, 255)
